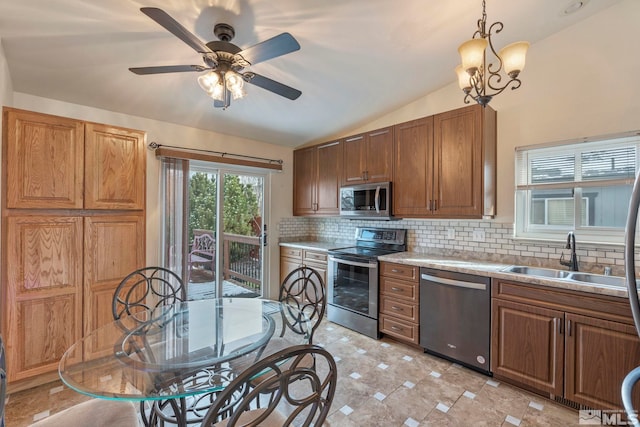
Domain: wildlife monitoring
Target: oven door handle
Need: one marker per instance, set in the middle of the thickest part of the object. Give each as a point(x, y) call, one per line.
point(377, 199)
point(354, 263)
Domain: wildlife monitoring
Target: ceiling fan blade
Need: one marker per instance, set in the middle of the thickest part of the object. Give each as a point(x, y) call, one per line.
point(175, 28)
point(271, 48)
point(272, 85)
point(166, 69)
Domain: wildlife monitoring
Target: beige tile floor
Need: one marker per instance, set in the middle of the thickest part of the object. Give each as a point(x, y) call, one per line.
point(381, 383)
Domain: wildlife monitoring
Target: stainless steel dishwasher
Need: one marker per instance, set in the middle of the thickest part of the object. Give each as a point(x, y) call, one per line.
point(455, 317)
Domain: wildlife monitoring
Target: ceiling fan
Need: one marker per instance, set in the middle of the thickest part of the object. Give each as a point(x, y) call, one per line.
point(224, 60)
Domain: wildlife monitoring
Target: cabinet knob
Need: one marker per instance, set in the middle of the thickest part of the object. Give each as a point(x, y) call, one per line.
point(394, 308)
point(396, 289)
point(396, 328)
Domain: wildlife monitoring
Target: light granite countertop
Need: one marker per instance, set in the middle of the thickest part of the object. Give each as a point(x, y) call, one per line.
point(484, 268)
point(317, 246)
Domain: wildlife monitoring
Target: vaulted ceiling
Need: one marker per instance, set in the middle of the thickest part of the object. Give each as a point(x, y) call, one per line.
point(359, 59)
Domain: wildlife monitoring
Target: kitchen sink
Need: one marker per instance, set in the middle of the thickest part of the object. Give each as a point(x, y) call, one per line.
point(596, 279)
point(537, 271)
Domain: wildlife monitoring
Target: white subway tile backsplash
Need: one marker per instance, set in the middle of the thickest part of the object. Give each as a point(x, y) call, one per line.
point(432, 236)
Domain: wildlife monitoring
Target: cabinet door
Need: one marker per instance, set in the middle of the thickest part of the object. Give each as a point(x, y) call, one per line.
point(599, 354)
point(304, 181)
point(413, 168)
point(329, 171)
point(44, 160)
point(354, 160)
point(43, 284)
point(287, 265)
point(458, 165)
point(527, 345)
point(379, 155)
point(114, 247)
point(115, 163)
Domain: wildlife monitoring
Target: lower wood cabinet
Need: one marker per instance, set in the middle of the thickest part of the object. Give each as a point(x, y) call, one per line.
point(61, 273)
point(294, 257)
point(399, 302)
point(565, 344)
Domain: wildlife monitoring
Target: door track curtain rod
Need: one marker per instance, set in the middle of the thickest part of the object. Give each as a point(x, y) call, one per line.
point(162, 150)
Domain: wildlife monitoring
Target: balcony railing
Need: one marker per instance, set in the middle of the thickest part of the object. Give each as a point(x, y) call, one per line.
point(242, 263)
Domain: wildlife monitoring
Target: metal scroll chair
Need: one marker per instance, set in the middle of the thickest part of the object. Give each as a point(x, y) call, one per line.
point(303, 301)
point(299, 395)
point(303, 290)
point(144, 289)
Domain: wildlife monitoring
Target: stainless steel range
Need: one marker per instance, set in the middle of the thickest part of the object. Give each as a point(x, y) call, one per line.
point(352, 278)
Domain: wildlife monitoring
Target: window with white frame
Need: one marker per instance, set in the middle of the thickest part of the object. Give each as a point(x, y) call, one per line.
point(578, 186)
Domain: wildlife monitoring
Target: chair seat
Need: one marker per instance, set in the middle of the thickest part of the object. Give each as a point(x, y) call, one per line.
point(95, 413)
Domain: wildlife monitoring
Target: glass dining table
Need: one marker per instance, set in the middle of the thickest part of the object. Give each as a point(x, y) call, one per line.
point(178, 356)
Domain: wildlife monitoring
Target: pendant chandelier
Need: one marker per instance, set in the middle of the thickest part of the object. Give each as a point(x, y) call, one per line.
point(479, 81)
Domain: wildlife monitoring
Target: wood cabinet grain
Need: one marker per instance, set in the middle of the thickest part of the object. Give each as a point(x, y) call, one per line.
point(292, 258)
point(399, 302)
point(73, 223)
point(316, 179)
point(368, 157)
point(44, 160)
point(445, 165)
point(566, 344)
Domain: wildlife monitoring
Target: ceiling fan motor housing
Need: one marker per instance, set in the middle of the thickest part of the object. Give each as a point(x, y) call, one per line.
point(224, 32)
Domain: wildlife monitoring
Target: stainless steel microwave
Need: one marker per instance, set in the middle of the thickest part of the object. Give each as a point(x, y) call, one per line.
point(366, 201)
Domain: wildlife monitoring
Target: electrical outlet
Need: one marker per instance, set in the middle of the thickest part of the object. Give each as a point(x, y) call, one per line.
point(451, 233)
point(478, 235)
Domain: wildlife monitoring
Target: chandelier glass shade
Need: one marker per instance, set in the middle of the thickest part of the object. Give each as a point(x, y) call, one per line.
point(217, 84)
point(479, 81)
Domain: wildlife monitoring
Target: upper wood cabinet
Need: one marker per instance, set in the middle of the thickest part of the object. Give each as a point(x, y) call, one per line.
point(445, 165)
point(45, 157)
point(413, 174)
point(368, 157)
point(60, 163)
point(316, 179)
point(114, 167)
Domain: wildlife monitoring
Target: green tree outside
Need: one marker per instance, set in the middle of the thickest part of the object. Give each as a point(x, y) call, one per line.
point(240, 208)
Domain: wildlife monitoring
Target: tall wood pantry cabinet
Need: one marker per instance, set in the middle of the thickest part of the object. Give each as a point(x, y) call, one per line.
point(73, 225)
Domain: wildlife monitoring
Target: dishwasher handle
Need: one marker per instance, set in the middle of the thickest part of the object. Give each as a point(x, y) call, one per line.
point(456, 283)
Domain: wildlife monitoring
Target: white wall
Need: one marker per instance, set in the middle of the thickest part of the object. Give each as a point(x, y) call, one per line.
point(6, 87)
point(181, 136)
point(582, 81)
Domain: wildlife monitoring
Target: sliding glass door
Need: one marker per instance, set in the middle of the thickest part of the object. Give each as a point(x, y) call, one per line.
point(217, 226)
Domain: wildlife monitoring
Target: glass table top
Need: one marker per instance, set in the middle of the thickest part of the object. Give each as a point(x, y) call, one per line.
point(180, 350)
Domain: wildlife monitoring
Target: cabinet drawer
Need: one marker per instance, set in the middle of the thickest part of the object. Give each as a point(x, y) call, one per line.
point(310, 256)
point(400, 309)
point(399, 289)
point(291, 252)
point(400, 271)
point(400, 329)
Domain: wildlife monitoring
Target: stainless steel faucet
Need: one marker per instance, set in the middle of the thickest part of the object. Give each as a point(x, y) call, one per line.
point(573, 261)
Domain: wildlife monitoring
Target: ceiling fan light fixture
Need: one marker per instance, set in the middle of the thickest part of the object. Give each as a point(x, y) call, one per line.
point(209, 81)
point(235, 84)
